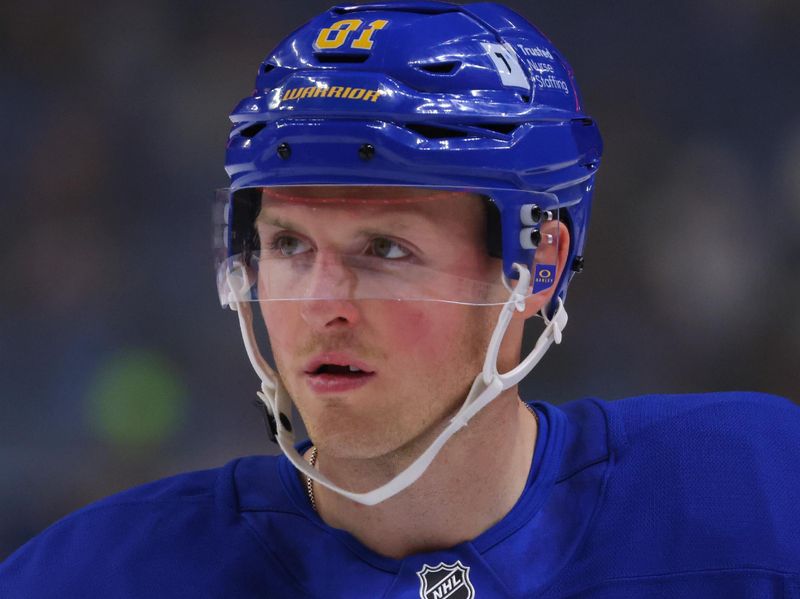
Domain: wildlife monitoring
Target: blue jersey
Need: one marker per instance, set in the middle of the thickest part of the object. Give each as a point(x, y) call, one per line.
point(658, 496)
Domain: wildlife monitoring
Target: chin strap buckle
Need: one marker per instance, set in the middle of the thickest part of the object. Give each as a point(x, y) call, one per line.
point(557, 324)
point(269, 420)
point(266, 401)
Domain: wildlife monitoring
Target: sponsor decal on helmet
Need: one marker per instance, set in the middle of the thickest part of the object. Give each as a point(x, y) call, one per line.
point(544, 74)
point(334, 91)
point(537, 52)
point(507, 65)
point(544, 276)
point(445, 581)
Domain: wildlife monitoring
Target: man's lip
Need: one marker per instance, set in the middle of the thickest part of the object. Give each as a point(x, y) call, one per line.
point(338, 359)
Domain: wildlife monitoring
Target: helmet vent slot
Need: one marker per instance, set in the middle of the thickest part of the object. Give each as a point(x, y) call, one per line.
point(251, 131)
point(440, 68)
point(464, 130)
point(341, 58)
point(267, 68)
point(434, 132)
point(503, 128)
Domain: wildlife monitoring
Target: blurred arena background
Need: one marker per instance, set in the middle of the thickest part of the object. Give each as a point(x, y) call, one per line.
point(117, 365)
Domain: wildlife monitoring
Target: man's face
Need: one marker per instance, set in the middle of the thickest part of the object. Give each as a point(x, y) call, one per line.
point(417, 358)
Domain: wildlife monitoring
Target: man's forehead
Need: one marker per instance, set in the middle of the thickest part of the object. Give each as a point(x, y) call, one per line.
point(435, 205)
point(390, 194)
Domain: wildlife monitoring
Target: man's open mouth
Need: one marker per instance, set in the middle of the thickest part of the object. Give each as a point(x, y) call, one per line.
point(337, 372)
point(340, 370)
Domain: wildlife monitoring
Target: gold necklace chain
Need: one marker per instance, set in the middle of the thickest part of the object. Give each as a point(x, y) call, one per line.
point(312, 460)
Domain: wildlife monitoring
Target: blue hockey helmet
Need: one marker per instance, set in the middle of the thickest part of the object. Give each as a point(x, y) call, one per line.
point(375, 110)
point(426, 94)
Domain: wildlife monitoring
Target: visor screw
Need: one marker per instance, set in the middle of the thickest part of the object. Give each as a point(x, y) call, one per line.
point(285, 422)
point(536, 214)
point(536, 237)
point(284, 151)
point(366, 152)
point(577, 264)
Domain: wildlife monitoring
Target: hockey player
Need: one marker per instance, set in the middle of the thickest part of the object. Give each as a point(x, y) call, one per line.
point(410, 185)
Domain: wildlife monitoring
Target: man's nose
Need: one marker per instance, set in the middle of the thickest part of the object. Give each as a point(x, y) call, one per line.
point(330, 290)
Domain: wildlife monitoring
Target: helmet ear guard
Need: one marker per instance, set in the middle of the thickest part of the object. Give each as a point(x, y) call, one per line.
point(235, 239)
point(550, 254)
point(550, 265)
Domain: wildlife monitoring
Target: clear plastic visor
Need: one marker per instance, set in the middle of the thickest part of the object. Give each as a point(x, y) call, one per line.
point(326, 242)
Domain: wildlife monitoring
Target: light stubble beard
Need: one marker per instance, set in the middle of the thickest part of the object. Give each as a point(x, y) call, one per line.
point(392, 437)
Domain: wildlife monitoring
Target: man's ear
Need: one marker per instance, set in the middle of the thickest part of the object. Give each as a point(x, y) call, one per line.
point(548, 266)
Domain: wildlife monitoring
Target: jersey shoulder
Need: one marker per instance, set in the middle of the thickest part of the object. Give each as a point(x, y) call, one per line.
point(710, 441)
point(704, 481)
point(156, 540)
point(732, 414)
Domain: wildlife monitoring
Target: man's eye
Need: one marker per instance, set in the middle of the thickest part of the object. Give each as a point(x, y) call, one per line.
point(387, 248)
point(287, 245)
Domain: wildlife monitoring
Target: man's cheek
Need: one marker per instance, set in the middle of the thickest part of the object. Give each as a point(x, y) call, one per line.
point(416, 330)
point(277, 327)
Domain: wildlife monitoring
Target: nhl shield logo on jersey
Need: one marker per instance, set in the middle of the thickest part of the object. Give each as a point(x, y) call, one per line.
point(445, 581)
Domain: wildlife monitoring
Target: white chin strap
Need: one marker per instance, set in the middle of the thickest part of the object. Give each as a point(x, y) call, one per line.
point(487, 386)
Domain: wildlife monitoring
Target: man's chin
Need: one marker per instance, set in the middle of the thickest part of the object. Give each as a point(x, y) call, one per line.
point(395, 448)
point(353, 445)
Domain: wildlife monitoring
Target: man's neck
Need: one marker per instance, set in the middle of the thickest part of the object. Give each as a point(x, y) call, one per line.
point(472, 484)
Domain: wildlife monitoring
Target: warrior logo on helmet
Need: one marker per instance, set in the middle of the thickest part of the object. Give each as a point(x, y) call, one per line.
point(445, 581)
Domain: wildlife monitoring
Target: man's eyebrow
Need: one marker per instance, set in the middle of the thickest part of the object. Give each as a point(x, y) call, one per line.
point(280, 222)
point(397, 224)
point(277, 222)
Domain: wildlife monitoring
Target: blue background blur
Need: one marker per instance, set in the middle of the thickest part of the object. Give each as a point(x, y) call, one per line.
point(117, 365)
